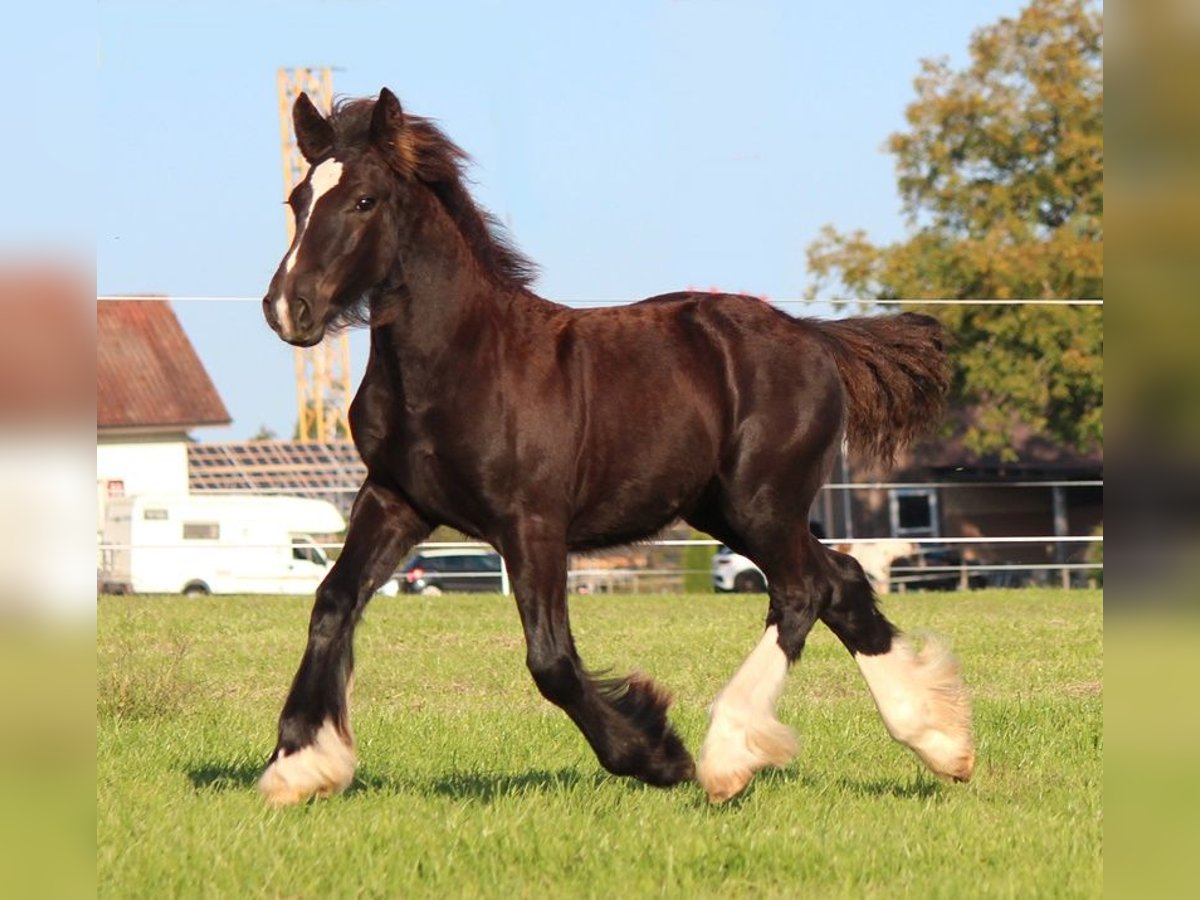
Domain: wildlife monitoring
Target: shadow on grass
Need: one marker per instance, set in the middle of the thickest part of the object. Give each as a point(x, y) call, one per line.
point(920, 786)
point(487, 788)
point(480, 787)
point(483, 788)
point(217, 777)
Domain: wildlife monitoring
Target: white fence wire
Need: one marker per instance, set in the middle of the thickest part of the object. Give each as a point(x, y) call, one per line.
point(632, 579)
point(1055, 545)
point(591, 303)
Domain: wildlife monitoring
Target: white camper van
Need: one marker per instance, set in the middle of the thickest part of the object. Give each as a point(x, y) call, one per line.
point(197, 544)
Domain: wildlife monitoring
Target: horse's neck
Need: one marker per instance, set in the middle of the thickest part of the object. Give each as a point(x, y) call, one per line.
point(417, 335)
point(447, 302)
point(423, 325)
point(440, 273)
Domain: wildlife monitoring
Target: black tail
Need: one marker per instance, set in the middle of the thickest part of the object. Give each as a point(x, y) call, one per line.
point(896, 376)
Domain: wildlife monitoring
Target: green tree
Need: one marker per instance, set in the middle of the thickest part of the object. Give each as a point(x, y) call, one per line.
point(1001, 174)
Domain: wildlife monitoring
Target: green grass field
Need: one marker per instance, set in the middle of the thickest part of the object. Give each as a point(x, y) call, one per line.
point(469, 784)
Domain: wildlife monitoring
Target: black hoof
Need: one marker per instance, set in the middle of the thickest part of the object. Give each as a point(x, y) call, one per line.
point(670, 764)
point(655, 754)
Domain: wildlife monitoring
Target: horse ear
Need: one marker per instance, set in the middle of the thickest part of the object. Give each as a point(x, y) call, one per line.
point(314, 134)
point(390, 134)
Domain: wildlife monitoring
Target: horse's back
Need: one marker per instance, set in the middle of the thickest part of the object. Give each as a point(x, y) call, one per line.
point(724, 351)
point(759, 347)
point(684, 386)
point(667, 317)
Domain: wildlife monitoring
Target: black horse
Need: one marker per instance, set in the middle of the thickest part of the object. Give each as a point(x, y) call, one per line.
point(543, 429)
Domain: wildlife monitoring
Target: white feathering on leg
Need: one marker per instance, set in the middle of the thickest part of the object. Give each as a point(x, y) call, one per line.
point(744, 735)
point(324, 767)
point(923, 704)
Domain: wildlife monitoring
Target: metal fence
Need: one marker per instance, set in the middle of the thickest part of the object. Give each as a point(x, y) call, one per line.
point(1066, 559)
point(583, 578)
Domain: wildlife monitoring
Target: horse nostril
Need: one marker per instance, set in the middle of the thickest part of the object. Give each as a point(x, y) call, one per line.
point(303, 314)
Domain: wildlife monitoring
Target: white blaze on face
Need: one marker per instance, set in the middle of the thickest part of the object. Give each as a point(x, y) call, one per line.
point(321, 180)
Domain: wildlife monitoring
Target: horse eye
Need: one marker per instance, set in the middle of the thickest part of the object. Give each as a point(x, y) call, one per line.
point(364, 203)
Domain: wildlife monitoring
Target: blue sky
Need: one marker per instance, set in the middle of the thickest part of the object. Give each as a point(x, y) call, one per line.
point(632, 148)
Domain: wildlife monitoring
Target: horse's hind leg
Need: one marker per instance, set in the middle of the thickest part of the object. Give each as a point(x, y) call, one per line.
point(744, 735)
point(624, 720)
point(920, 695)
point(315, 751)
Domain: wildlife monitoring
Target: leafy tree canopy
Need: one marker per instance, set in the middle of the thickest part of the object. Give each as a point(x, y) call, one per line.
point(1001, 173)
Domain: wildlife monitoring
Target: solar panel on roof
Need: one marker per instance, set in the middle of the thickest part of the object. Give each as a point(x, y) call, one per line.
point(329, 471)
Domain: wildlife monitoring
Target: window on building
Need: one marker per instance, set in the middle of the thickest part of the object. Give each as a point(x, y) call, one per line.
point(914, 512)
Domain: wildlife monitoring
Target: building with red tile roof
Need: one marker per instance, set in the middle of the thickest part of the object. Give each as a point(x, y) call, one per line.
point(151, 389)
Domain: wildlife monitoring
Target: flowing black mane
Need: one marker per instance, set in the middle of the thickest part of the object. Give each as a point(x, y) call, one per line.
point(440, 163)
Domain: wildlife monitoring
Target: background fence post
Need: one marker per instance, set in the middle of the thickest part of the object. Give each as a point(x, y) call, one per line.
point(1061, 528)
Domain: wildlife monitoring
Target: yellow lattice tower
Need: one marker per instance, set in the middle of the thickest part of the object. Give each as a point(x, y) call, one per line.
point(323, 371)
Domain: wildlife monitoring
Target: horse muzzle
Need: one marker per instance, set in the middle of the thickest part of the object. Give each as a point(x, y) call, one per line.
point(293, 320)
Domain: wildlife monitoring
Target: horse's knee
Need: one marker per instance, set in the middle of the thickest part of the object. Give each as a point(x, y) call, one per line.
point(794, 609)
point(556, 677)
point(335, 608)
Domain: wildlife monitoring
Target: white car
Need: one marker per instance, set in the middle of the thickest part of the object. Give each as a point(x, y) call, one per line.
point(732, 572)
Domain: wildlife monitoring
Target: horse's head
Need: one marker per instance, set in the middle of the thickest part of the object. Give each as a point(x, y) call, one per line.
point(344, 212)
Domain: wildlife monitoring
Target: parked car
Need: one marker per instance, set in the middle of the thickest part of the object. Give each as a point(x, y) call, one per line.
point(943, 570)
point(438, 571)
point(732, 572)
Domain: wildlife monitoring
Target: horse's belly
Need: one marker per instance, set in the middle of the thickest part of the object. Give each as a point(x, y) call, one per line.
point(620, 510)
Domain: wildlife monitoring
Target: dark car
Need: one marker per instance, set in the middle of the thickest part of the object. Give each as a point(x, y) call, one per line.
point(452, 571)
point(936, 569)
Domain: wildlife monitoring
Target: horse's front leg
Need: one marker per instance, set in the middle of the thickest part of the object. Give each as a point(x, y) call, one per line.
point(625, 719)
point(315, 751)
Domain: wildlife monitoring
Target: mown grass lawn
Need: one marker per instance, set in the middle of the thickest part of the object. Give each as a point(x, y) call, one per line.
point(469, 784)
